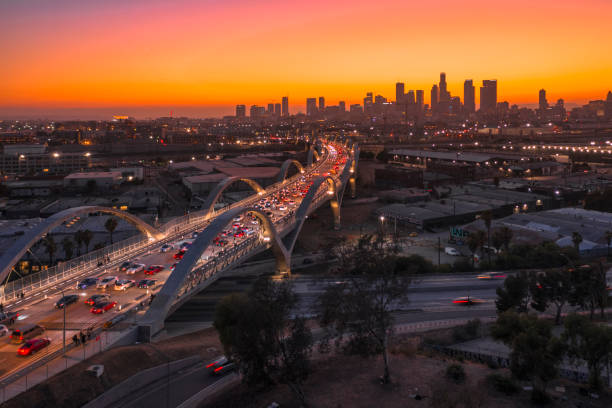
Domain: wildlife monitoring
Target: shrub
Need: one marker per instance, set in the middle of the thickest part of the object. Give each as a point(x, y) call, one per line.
point(503, 384)
point(468, 331)
point(444, 268)
point(413, 264)
point(462, 265)
point(455, 373)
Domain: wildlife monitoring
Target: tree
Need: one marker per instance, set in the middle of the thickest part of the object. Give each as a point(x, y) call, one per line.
point(68, 247)
point(487, 217)
point(577, 240)
point(78, 238)
point(514, 294)
point(535, 352)
point(608, 237)
point(87, 236)
point(589, 342)
point(504, 236)
point(356, 312)
point(111, 225)
point(257, 331)
point(551, 287)
point(589, 289)
point(475, 240)
point(50, 247)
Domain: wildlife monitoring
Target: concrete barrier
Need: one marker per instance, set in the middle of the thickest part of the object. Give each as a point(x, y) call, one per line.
point(138, 381)
point(211, 391)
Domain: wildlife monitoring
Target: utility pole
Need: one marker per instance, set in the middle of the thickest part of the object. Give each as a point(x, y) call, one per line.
point(64, 329)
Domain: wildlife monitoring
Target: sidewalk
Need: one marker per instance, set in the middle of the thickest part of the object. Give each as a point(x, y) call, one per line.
point(73, 356)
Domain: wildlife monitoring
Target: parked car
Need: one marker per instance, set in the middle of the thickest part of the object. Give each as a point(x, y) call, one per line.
point(66, 300)
point(106, 282)
point(147, 283)
point(153, 269)
point(166, 248)
point(135, 268)
point(123, 284)
point(93, 299)
point(452, 251)
point(124, 266)
point(102, 307)
point(32, 346)
point(87, 282)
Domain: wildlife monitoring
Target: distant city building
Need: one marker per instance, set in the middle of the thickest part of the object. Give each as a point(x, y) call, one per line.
point(469, 97)
point(434, 97)
point(277, 109)
point(321, 104)
point(270, 108)
point(240, 111)
point(342, 106)
point(543, 103)
point(257, 111)
point(22, 160)
point(399, 92)
point(410, 97)
point(285, 107)
point(444, 94)
point(608, 106)
point(356, 108)
point(420, 99)
point(488, 96)
point(311, 106)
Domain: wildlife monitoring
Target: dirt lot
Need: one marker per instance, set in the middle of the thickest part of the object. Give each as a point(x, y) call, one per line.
point(72, 388)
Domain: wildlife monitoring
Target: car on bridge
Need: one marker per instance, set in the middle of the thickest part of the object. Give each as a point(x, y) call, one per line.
point(179, 255)
point(32, 346)
point(147, 283)
point(8, 318)
point(124, 284)
point(87, 282)
point(153, 269)
point(4, 331)
point(135, 268)
point(102, 307)
point(97, 298)
point(166, 248)
point(106, 282)
point(125, 266)
point(66, 300)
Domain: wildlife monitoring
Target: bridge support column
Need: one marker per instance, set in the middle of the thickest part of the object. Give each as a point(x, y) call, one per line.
point(336, 213)
point(353, 187)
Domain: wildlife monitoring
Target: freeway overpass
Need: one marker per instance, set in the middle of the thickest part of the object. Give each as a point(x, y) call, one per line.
point(330, 170)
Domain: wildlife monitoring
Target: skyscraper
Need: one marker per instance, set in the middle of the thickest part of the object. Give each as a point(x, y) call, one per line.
point(277, 109)
point(321, 104)
point(399, 92)
point(420, 100)
point(488, 96)
point(444, 94)
point(240, 111)
point(542, 100)
point(434, 97)
point(285, 106)
point(342, 106)
point(311, 106)
point(410, 97)
point(469, 97)
point(270, 108)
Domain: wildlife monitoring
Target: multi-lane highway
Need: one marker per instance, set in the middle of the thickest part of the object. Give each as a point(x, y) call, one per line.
point(38, 307)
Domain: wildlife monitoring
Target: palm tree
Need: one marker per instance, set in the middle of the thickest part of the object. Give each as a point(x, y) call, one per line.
point(111, 225)
point(474, 241)
point(506, 234)
point(87, 236)
point(608, 236)
point(78, 238)
point(68, 247)
point(577, 239)
point(50, 247)
point(487, 216)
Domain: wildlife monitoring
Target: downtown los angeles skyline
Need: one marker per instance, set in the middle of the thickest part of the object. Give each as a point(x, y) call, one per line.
point(204, 57)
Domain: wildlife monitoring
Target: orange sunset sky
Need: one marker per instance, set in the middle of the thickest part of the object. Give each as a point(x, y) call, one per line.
point(147, 57)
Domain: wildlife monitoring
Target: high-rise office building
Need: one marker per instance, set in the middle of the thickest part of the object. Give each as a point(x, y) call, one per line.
point(285, 102)
point(368, 102)
point(607, 106)
point(257, 111)
point(342, 106)
point(240, 111)
point(410, 98)
point(399, 92)
point(270, 108)
point(434, 97)
point(321, 104)
point(311, 106)
point(488, 96)
point(277, 109)
point(444, 94)
point(542, 100)
point(420, 100)
point(469, 97)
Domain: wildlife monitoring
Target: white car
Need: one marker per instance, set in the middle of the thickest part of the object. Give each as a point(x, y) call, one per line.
point(452, 251)
point(4, 331)
point(137, 267)
point(105, 282)
point(124, 284)
point(166, 248)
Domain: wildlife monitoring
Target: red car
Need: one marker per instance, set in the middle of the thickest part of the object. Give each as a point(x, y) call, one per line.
point(93, 299)
point(179, 254)
point(153, 269)
point(173, 266)
point(239, 234)
point(102, 307)
point(32, 346)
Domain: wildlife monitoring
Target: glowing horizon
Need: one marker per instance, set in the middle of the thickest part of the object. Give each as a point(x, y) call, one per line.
point(212, 54)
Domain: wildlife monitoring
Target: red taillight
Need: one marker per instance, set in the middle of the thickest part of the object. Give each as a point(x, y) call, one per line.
point(218, 369)
point(211, 364)
point(460, 301)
